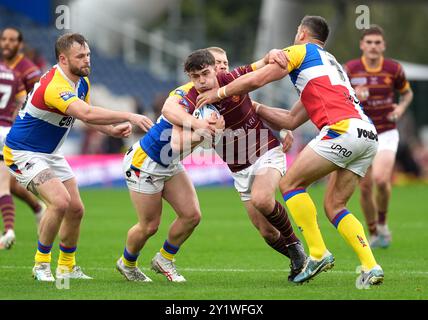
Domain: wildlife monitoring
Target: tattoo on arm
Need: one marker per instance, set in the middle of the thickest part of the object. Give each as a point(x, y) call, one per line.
point(40, 179)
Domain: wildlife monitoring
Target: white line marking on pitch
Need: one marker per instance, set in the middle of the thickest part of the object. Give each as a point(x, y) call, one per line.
point(225, 270)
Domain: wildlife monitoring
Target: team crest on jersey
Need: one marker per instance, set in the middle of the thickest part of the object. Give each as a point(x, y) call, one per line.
point(66, 95)
point(387, 80)
point(373, 80)
point(235, 98)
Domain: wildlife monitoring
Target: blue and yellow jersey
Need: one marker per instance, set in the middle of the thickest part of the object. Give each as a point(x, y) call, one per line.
point(42, 125)
point(322, 84)
point(156, 143)
point(182, 90)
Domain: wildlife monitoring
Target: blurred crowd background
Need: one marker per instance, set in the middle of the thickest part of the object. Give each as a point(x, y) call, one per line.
point(138, 48)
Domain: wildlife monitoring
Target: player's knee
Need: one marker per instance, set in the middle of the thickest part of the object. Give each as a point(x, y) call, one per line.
point(77, 210)
point(366, 190)
point(382, 181)
point(194, 218)
point(61, 203)
point(262, 201)
point(150, 229)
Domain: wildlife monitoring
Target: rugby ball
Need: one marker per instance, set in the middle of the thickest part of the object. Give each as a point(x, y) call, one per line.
point(204, 113)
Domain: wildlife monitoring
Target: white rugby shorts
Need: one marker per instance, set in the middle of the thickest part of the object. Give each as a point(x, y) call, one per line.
point(350, 144)
point(389, 140)
point(25, 165)
point(144, 175)
point(244, 179)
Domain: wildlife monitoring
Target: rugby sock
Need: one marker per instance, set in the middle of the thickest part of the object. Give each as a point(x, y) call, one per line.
point(43, 253)
point(279, 245)
point(279, 219)
point(7, 208)
point(352, 231)
point(129, 259)
point(381, 217)
point(372, 226)
point(67, 257)
point(304, 213)
point(168, 250)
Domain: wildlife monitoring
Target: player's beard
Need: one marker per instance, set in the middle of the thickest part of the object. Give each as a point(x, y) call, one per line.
point(11, 54)
point(81, 72)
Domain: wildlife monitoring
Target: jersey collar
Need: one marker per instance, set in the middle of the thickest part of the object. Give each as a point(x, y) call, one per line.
point(12, 65)
point(372, 70)
point(73, 85)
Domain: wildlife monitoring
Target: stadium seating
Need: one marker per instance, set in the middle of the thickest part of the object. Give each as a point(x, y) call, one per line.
point(114, 73)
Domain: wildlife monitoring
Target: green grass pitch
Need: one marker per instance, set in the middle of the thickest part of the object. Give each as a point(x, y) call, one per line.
point(225, 258)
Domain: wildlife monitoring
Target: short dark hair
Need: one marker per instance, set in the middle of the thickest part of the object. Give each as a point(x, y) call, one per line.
point(318, 27)
point(64, 42)
point(374, 29)
point(198, 60)
point(20, 35)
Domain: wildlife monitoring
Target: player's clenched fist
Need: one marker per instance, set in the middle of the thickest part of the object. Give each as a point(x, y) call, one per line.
point(122, 130)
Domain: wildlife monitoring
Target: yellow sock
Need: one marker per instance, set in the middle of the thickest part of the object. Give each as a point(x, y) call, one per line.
point(43, 253)
point(304, 213)
point(128, 263)
point(166, 254)
point(352, 231)
point(169, 250)
point(67, 257)
point(41, 257)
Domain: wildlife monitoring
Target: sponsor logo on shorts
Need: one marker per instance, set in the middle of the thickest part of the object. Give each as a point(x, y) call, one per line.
point(131, 181)
point(367, 134)
point(129, 177)
point(149, 179)
point(341, 150)
point(29, 165)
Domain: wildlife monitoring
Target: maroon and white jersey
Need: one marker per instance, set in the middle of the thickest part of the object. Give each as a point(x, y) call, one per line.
point(26, 70)
point(245, 137)
point(11, 88)
point(381, 83)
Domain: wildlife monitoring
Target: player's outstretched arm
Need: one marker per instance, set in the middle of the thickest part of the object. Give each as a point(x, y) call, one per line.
point(281, 118)
point(256, 106)
point(273, 56)
point(122, 130)
point(96, 115)
point(242, 85)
